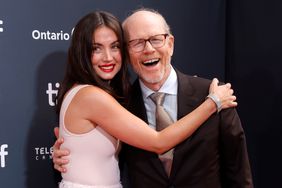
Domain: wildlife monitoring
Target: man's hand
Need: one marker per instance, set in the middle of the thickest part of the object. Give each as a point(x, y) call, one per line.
point(59, 158)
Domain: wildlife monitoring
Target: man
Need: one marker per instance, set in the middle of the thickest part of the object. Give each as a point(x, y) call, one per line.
point(215, 155)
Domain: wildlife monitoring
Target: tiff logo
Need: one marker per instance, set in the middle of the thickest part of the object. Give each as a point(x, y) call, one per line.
point(52, 93)
point(1, 28)
point(3, 153)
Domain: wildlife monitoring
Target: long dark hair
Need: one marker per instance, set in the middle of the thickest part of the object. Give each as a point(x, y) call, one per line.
point(79, 69)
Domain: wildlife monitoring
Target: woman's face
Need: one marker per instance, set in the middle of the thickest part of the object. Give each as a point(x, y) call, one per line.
point(106, 55)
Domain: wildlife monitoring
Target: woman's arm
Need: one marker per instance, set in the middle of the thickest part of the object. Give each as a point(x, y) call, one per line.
point(95, 105)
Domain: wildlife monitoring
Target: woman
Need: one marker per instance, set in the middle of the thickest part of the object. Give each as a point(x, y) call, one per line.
point(92, 121)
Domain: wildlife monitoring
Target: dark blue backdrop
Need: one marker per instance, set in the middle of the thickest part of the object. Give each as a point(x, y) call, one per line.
point(235, 41)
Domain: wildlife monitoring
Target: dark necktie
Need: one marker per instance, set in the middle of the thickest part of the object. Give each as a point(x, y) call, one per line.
point(162, 121)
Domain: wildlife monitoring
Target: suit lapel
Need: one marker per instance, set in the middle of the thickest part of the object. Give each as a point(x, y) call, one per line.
point(186, 102)
point(136, 104)
point(186, 99)
point(137, 107)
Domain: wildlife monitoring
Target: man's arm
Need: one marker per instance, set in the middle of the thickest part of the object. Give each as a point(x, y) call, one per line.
point(59, 162)
point(235, 166)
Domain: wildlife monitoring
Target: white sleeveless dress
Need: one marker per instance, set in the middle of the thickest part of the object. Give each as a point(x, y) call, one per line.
point(93, 161)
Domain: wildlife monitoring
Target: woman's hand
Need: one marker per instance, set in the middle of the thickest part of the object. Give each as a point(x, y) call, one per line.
point(222, 95)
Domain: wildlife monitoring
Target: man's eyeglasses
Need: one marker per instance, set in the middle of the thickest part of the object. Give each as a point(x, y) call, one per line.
point(138, 45)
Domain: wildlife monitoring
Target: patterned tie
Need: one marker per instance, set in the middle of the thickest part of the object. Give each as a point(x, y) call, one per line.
point(162, 121)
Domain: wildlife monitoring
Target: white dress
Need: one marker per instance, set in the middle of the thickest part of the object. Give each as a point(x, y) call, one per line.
point(93, 161)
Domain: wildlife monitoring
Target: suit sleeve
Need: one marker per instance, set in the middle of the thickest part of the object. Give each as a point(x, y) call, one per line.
point(236, 171)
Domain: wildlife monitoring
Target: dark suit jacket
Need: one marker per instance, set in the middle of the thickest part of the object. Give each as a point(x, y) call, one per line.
point(214, 156)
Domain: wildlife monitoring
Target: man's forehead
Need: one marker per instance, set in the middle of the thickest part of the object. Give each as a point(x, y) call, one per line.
point(144, 26)
point(143, 16)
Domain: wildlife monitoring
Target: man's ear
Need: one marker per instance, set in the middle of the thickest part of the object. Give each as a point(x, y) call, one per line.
point(171, 44)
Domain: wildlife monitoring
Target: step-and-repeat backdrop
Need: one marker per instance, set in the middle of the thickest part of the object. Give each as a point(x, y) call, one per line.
point(34, 38)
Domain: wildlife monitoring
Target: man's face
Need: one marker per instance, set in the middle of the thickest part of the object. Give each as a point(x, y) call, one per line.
point(152, 64)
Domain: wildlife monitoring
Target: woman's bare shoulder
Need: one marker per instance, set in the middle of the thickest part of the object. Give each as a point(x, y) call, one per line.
point(92, 94)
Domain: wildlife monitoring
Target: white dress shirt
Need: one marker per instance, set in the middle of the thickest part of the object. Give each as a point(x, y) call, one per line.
point(170, 102)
